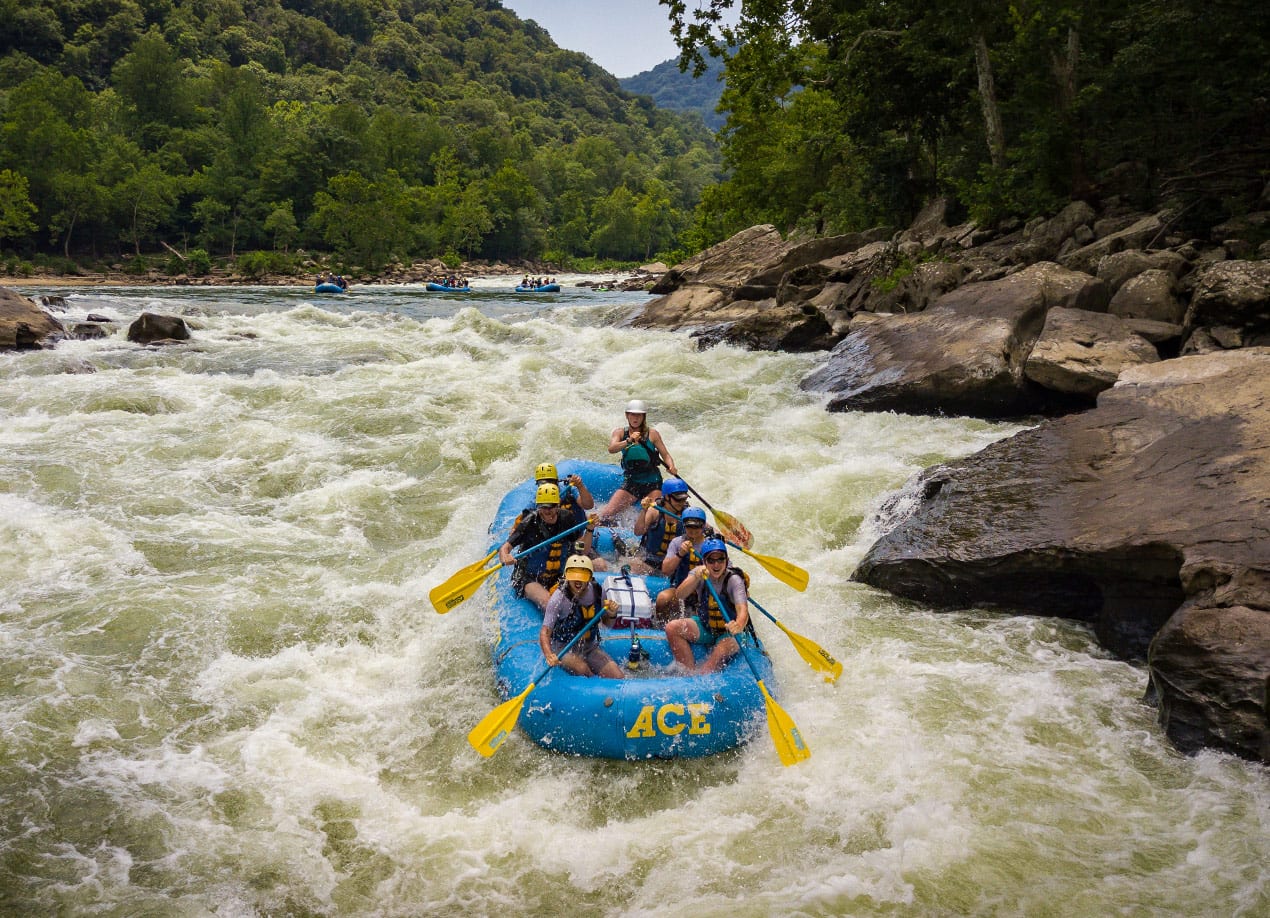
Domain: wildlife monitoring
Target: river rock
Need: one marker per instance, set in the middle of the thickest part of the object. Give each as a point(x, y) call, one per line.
point(1235, 294)
point(24, 325)
point(1043, 242)
point(1081, 353)
point(1117, 516)
point(1149, 295)
point(152, 328)
point(965, 354)
point(1119, 267)
point(1209, 670)
point(1139, 234)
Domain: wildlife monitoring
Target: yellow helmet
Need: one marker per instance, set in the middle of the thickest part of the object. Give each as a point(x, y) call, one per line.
point(548, 495)
point(545, 472)
point(579, 568)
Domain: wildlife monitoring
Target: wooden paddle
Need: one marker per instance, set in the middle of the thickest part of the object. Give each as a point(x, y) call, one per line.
point(462, 585)
point(495, 726)
point(733, 528)
point(809, 650)
point(785, 736)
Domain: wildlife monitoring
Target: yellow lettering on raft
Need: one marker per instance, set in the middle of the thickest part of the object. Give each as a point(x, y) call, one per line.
point(644, 724)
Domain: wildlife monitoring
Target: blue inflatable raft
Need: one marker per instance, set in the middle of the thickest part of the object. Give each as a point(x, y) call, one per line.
point(542, 288)
point(329, 288)
point(651, 713)
point(443, 288)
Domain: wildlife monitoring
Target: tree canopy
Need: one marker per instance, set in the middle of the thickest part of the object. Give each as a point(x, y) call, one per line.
point(377, 130)
point(844, 113)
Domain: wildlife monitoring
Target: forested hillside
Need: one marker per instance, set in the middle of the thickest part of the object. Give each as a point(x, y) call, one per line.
point(847, 114)
point(683, 91)
point(377, 130)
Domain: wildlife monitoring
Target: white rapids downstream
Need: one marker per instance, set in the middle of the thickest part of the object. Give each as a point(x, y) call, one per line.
point(223, 690)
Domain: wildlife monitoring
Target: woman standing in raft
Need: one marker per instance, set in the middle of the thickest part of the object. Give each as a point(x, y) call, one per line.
point(642, 451)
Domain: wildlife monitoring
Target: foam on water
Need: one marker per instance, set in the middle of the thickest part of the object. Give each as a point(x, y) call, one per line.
point(224, 689)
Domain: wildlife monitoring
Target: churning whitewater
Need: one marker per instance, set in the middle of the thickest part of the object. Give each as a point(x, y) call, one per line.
point(225, 691)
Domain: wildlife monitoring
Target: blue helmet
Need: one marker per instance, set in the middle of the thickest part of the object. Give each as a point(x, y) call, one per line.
point(710, 546)
point(694, 513)
point(674, 486)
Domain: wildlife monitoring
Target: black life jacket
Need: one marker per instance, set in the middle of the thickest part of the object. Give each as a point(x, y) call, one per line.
point(547, 563)
point(567, 626)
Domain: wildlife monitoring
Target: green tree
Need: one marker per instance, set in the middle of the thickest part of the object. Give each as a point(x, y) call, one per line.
point(281, 224)
point(15, 206)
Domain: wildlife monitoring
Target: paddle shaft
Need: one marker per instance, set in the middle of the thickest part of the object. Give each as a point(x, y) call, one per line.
point(542, 673)
point(554, 538)
point(819, 657)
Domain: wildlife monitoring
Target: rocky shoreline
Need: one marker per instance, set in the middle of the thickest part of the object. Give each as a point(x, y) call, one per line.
point(1141, 506)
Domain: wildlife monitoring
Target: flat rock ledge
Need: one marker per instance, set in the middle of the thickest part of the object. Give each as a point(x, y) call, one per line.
point(1147, 517)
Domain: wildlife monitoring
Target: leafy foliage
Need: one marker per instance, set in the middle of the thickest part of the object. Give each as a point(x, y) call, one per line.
point(846, 113)
point(379, 130)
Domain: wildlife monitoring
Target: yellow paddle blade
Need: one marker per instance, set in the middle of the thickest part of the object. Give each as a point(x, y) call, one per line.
point(733, 529)
point(789, 742)
point(494, 727)
point(789, 574)
point(814, 654)
point(459, 589)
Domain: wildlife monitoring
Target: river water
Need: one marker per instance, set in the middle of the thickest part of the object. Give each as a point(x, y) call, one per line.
point(223, 690)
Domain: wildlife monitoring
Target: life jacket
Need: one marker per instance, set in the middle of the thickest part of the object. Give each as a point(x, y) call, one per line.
point(686, 564)
point(640, 460)
point(569, 507)
point(657, 537)
point(708, 610)
point(547, 563)
point(566, 626)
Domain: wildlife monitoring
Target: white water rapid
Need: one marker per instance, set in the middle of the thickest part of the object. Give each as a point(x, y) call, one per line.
point(223, 690)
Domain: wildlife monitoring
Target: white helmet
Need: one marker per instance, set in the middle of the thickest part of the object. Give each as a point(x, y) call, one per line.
point(637, 406)
point(579, 568)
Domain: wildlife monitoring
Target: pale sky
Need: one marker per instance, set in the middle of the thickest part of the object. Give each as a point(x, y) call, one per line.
point(625, 37)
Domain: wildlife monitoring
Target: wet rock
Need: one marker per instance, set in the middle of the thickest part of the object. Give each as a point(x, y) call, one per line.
point(152, 328)
point(24, 325)
point(1210, 669)
point(1118, 516)
point(965, 354)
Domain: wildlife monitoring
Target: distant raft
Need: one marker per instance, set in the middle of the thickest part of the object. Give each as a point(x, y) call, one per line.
point(651, 714)
point(445, 288)
point(541, 288)
point(329, 288)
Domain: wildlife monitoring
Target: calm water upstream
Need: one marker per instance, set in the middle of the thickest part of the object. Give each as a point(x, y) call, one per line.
point(223, 690)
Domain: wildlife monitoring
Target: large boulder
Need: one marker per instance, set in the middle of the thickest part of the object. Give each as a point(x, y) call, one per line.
point(1210, 670)
point(1139, 234)
point(1119, 267)
point(1044, 241)
point(25, 325)
point(1233, 294)
point(1118, 516)
point(1081, 353)
point(152, 328)
point(1149, 295)
point(731, 281)
point(965, 354)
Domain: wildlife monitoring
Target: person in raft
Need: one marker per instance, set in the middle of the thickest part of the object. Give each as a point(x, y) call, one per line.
point(683, 555)
point(658, 522)
point(642, 451)
point(537, 574)
point(710, 627)
point(575, 500)
point(570, 610)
